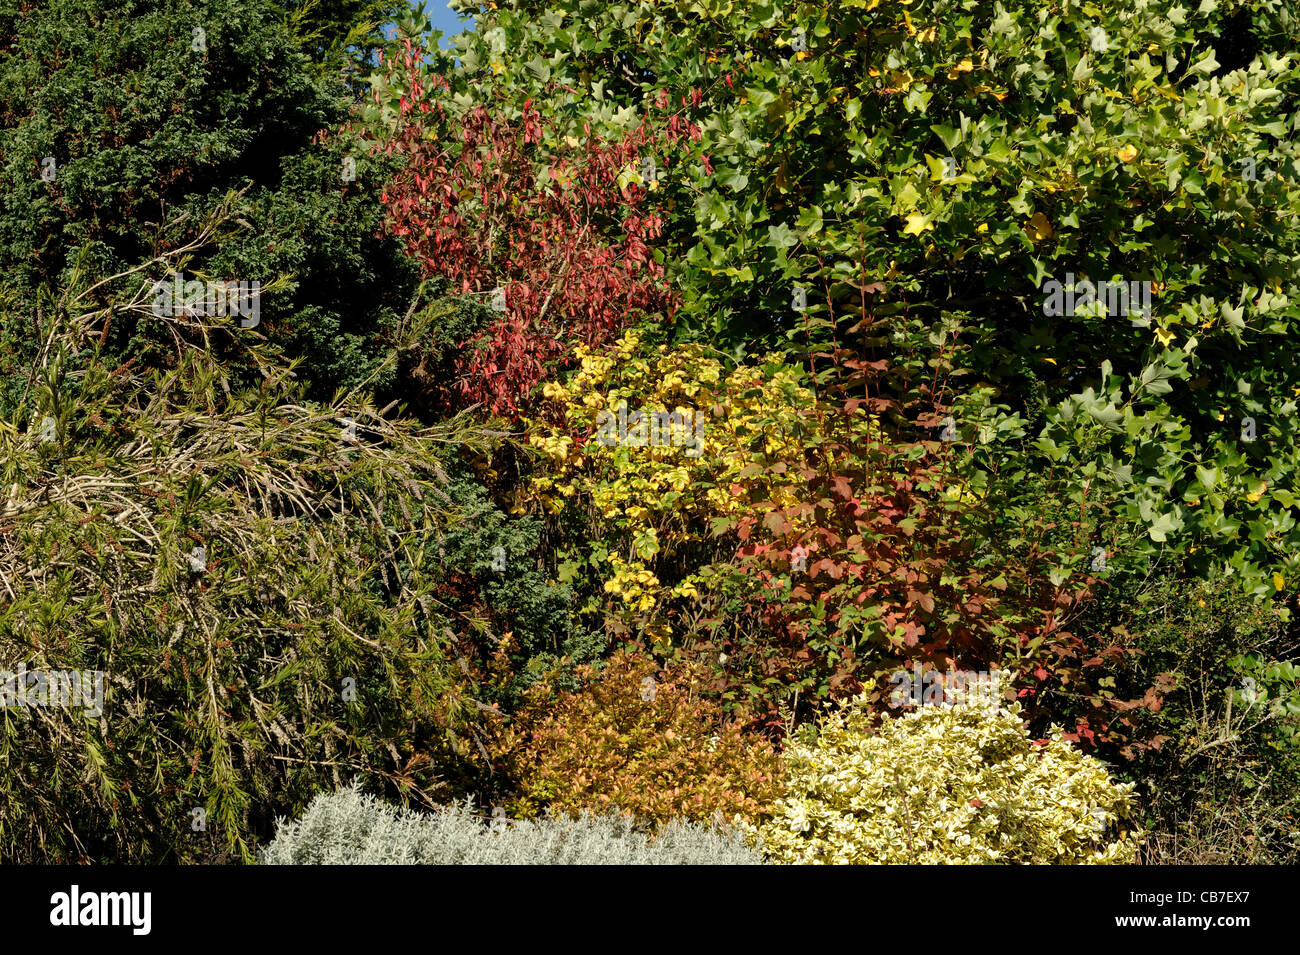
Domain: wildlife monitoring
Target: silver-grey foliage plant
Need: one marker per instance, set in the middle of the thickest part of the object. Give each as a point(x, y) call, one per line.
point(349, 827)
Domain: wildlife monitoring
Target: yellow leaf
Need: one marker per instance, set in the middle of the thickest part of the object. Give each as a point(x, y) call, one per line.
point(1127, 154)
point(916, 224)
point(1165, 336)
point(1039, 228)
point(901, 81)
point(965, 66)
point(927, 35)
point(1279, 581)
point(1256, 494)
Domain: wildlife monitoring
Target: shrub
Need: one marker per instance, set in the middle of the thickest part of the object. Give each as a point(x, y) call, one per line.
point(518, 623)
point(640, 742)
point(351, 828)
point(506, 206)
point(1221, 783)
point(953, 783)
point(645, 506)
point(801, 540)
point(256, 586)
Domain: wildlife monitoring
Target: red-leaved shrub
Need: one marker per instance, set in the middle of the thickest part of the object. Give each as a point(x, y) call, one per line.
point(537, 223)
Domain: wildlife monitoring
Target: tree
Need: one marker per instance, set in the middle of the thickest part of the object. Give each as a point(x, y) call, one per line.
point(122, 125)
point(870, 173)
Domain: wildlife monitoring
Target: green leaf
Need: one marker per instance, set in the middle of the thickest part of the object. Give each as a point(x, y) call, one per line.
point(1164, 525)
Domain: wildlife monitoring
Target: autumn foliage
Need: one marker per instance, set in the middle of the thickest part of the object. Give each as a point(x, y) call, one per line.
point(643, 741)
point(551, 231)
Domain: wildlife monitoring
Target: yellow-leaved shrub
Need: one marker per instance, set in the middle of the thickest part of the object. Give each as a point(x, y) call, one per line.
point(958, 783)
point(655, 502)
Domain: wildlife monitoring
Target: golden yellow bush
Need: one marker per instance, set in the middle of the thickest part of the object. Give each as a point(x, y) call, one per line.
point(652, 498)
point(753, 409)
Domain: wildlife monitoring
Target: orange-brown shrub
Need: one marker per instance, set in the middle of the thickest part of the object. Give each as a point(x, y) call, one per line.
point(655, 751)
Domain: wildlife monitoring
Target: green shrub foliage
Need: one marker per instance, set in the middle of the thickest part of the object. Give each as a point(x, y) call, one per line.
point(1221, 784)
